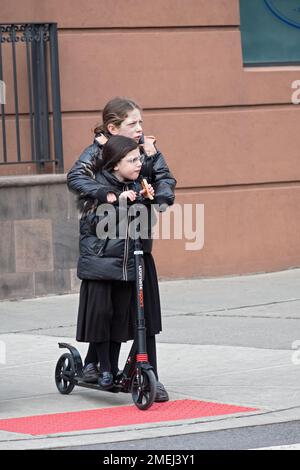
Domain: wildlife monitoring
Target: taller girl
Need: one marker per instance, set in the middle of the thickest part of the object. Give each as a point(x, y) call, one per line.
point(122, 116)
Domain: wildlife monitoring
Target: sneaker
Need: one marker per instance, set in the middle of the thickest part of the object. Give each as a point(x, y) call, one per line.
point(90, 373)
point(161, 393)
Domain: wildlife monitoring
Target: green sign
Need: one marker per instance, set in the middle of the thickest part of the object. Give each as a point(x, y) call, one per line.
point(287, 11)
point(270, 32)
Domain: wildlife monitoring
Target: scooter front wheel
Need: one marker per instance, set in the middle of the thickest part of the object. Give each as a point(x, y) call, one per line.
point(143, 388)
point(64, 374)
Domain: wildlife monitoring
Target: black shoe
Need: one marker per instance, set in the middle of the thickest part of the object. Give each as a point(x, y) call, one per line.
point(161, 393)
point(116, 382)
point(105, 380)
point(90, 373)
point(117, 376)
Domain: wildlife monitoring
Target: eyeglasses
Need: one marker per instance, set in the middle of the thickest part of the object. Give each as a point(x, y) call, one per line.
point(135, 160)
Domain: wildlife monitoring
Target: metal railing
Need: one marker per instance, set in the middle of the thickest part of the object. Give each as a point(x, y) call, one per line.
point(34, 69)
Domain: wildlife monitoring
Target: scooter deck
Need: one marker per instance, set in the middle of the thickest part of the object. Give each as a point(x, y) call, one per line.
point(81, 383)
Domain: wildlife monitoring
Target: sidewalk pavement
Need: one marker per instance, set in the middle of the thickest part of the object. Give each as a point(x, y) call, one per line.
point(231, 340)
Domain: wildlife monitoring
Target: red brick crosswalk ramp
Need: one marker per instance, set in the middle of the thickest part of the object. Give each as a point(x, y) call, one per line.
point(117, 416)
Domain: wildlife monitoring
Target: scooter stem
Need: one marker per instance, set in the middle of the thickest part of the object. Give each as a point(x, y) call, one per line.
point(140, 320)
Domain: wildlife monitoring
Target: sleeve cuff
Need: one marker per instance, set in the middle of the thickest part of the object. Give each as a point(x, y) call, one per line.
point(101, 195)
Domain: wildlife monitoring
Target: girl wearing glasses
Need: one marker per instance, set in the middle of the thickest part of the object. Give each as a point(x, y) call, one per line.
point(106, 265)
point(122, 116)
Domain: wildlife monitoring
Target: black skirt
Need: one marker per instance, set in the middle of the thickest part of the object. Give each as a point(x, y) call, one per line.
point(107, 309)
point(104, 312)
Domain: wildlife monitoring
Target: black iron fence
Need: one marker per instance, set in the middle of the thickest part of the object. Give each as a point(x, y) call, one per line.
point(30, 95)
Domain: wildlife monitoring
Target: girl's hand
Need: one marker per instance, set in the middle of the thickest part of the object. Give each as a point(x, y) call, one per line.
point(128, 195)
point(111, 198)
point(149, 146)
point(143, 192)
point(101, 139)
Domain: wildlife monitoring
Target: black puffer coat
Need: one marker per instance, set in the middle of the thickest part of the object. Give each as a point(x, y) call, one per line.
point(111, 257)
point(83, 179)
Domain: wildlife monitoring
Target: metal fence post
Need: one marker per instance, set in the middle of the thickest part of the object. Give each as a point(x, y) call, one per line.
point(56, 104)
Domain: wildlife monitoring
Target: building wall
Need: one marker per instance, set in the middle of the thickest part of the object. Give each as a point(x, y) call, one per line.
point(38, 237)
point(229, 134)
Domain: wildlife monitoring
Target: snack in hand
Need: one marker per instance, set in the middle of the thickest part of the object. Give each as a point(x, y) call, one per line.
point(146, 188)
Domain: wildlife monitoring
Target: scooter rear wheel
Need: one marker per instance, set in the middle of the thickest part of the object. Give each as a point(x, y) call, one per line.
point(143, 395)
point(64, 374)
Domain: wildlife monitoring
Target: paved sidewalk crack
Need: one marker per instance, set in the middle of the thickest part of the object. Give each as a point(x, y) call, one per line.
point(214, 312)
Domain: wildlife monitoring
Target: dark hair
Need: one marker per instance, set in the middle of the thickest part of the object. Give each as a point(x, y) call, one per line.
point(115, 111)
point(115, 149)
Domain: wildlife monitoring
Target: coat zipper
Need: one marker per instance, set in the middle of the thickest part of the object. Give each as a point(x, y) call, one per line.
point(126, 247)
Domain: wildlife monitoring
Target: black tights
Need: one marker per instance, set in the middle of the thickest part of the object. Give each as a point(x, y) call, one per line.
point(107, 353)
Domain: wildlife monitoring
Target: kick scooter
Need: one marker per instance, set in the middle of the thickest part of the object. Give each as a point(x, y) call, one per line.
point(137, 377)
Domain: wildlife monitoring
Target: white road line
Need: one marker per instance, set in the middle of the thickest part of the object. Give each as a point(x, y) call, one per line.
point(283, 447)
